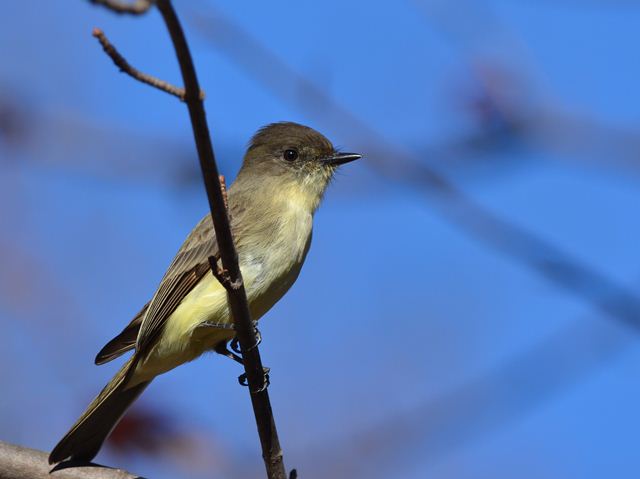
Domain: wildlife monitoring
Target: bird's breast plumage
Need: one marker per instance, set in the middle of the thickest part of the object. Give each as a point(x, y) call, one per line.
point(268, 271)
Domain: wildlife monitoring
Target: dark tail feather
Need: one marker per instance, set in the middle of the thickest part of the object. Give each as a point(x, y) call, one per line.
point(84, 439)
point(123, 342)
point(119, 345)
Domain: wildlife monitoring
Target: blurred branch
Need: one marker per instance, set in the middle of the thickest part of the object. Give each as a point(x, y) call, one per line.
point(610, 5)
point(138, 7)
point(17, 462)
point(478, 26)
point(237, 298)
point(395, 162)
point(443, 423)
point(510, 110)
point(68, 143)
point(495, 398)
point(124, 67)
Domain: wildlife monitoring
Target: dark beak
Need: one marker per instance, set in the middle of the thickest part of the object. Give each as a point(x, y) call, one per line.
point(340, 158)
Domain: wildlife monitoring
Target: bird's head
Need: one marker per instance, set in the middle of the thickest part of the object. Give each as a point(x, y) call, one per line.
point(295, 158)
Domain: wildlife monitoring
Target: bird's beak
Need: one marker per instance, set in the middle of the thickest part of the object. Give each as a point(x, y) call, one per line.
point(340, 158)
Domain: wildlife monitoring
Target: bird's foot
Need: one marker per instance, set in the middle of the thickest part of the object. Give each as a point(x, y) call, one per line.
point(236, 354)
point(244, 381)
point(235, 344)
point(221, 348)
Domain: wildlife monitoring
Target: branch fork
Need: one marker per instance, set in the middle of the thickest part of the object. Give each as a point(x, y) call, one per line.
point(125, 67)
point(222, 275)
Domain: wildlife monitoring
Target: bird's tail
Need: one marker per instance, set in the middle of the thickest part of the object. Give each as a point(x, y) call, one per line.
point(84, 439)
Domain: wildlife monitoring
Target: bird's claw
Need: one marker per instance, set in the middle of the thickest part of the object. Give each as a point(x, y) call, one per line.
point(235, 344)
point(244, 381)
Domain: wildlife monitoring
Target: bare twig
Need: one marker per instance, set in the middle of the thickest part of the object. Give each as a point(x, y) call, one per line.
point(229, 273)
point(125, 67)
point(223, 185)
point(17, 462)
point(237, 297)
point(138, 7)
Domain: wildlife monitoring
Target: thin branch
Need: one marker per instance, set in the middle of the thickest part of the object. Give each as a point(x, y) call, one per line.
point(125, 67)
point(223, 185)
point(17, 462)
point(237, 297)
point(138, 7)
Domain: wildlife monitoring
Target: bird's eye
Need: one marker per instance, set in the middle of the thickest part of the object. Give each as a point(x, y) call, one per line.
point(290, 154)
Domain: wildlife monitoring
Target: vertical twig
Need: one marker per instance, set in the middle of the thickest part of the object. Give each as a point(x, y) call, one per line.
point(245, 331)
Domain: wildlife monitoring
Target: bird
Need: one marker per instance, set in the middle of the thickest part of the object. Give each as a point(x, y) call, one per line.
point(284, 174)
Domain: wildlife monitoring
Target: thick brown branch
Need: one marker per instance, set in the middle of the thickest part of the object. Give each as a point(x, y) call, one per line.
point(125, 67)
point(17, 462)
point(138, 7)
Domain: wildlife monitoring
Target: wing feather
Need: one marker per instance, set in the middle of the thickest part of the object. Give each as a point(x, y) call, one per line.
point(123, 342)
point(188, 267)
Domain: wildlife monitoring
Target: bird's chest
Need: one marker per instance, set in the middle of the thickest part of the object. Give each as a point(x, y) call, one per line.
point(271, 265)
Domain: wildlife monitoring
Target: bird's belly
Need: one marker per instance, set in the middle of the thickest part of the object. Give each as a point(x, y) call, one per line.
point(191, 329)
point(266, 290)
point(182, 338)
point(267, 276)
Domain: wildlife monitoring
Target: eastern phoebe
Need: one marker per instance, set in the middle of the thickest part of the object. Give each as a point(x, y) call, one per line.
point(283, 177)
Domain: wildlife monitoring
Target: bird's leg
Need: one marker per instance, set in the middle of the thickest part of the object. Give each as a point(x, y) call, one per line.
point(244, 381)
point(236, 355)
point(235, 345)
point(221, 348)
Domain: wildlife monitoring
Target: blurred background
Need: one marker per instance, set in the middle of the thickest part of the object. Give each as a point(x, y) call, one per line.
point(470, 306)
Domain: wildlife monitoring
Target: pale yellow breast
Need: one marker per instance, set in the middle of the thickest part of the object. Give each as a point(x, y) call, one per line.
point(269, 265)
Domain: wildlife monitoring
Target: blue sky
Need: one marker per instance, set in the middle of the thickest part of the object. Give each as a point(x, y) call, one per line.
point(396, 307)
